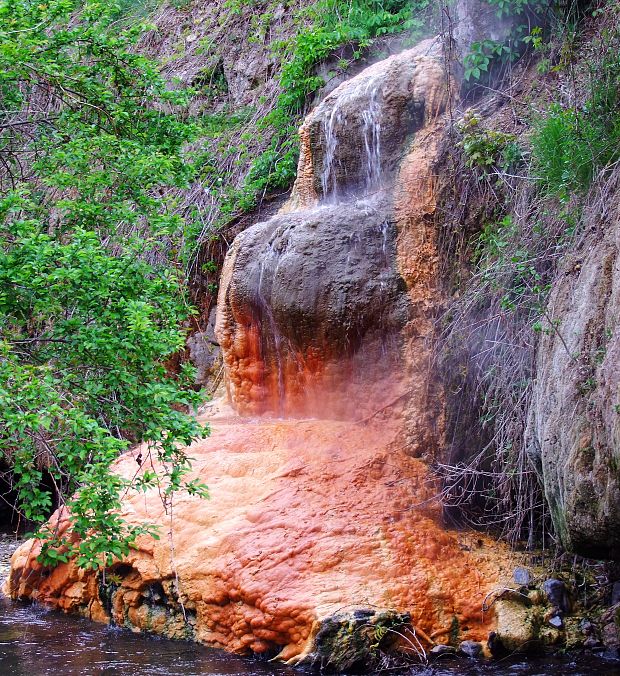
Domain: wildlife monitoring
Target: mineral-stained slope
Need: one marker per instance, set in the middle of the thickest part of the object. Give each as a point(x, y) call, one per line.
point(308, 519)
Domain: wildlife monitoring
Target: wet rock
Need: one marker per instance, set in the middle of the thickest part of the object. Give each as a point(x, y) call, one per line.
point(311, 308)
point(346, 641)
point(556, 621)
point(592, 642)
point(615, 593)
point(586, 627)
point(557, 594)
point(471, 649)
point(442, 650)
point(383, 105)
point(522, 576)
point(496, 646)
point(313, 304)
point(517, 626)
point(287, 544)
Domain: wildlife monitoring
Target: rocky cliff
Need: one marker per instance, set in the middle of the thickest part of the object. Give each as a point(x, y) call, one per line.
point(574, 430)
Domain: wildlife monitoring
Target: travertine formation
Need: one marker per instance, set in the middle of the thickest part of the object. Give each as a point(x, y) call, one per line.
point(307, 519)
point(323, 512)
point(323, 309)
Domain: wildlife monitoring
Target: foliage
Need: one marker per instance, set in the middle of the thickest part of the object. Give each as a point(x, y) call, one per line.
point(90, 302)
point(572, 146)
point(485, 54)
point(322, 28)
point(480, 56)
point(485, 149)
point(331, 24)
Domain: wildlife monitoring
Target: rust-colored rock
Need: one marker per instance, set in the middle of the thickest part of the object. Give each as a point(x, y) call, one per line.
point(307, 518)
point(401, 94)
point(317, 305)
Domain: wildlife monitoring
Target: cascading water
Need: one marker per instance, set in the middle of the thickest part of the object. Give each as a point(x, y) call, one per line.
point(273, 334)
point(372, 138)
point(336, 183)
point(329, 183)
point(298, 361)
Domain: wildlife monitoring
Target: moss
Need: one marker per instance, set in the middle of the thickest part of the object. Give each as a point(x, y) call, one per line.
point(350, 641)
point(455, 630)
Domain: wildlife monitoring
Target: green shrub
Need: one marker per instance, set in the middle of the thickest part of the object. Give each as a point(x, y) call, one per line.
point(91, 301)
point(571, 146)
point(334, 23)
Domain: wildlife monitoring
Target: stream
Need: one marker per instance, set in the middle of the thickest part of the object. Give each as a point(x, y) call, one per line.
point(35, 641)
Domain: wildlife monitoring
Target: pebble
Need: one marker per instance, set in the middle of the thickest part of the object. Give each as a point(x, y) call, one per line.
point(438, 650)
point(522, 576)
point(470, 648)
point(556, 621)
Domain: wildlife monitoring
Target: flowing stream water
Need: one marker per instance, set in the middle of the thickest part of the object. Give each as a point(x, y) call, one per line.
point(35, 641)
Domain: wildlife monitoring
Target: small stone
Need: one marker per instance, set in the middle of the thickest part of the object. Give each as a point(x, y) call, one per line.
point(536, 597)
point(615, 593)
point(441, 649)
point(556, 621)
point(586, 627)
point(591, 642)
point(557, 594)
point(470, 648)
point(522, 576)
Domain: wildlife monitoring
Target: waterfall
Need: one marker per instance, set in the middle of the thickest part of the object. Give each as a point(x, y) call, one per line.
point(328, 175)
point(372, 139)
point(266, 311)
point(312, 304)
point(338, 127)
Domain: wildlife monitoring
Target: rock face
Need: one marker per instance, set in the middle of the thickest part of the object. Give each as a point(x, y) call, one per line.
point(574, 431)
point(316, 305)
point(323, 537)
point(351, 145)
point(205, 353)
point(312, 306)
